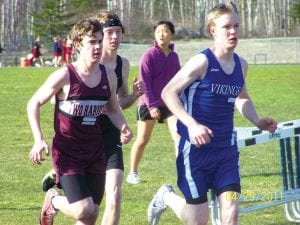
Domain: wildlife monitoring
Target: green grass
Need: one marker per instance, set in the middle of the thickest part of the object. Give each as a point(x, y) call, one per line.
point(275, 90)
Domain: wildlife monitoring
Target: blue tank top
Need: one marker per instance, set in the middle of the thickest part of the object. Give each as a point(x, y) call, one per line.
point(211, 101)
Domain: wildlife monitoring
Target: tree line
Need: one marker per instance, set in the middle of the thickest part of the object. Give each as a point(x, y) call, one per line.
point(22, 20)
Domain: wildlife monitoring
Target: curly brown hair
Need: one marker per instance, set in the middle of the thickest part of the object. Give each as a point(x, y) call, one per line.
point(86, 27)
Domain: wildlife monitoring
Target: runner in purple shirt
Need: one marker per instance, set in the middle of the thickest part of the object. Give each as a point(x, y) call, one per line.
point(156, 70)
point(158, 65)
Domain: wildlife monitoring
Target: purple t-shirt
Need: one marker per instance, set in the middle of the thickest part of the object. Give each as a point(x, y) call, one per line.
point(156, 70)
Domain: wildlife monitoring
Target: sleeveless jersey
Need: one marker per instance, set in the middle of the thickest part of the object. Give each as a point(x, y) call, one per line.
point(76, 118)
point(118, 72)
point(78, 146)
point(107, 126)
point(211, 101)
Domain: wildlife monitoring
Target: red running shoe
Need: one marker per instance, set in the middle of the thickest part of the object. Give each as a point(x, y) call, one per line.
point(48, 211)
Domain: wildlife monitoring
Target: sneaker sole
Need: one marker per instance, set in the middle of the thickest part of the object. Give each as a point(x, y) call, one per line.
point(49, 180)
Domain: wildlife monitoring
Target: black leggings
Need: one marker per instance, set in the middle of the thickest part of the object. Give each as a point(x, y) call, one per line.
point(77, 187)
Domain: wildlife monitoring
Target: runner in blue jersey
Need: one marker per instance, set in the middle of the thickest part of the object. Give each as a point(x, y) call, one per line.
point(203, 95)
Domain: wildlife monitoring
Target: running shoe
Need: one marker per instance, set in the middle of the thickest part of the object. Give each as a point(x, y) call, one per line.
point(133, 178)
point(157, 205)
point(49, 180)
point(48, 211)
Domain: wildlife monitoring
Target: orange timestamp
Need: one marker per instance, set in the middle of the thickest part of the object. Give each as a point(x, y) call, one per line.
point(252, 195)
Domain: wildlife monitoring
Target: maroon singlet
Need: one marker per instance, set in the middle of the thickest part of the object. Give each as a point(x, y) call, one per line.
point(78, 145)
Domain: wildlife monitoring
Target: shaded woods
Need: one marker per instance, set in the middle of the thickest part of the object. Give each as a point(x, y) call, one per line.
point(22, 20)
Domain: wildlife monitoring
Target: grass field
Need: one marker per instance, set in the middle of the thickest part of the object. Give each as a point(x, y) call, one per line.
point(275, 90)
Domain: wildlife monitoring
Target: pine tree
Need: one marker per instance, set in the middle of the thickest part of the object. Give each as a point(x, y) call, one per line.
point(58, 16)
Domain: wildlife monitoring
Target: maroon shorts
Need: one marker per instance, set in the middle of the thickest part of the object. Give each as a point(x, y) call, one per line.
point(69, 157)
point(36, 54)
point(69, 51)
point(56, 54)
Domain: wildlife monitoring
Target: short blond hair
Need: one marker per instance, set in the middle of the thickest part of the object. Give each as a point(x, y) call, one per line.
point(217, 11)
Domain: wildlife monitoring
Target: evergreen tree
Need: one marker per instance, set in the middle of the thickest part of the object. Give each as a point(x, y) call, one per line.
point(295, 11)
point(58, 16)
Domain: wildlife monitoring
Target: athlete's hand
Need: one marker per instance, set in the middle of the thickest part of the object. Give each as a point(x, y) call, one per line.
point(155, 113)
point(125, 134)
point(36, 153)
point(267, 124)
point(138, 87)
point(199, 134)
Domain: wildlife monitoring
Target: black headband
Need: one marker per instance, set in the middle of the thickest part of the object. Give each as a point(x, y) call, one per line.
point(111, 23)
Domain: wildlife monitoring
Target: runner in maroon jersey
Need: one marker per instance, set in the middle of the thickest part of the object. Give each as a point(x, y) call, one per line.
point(81, 91)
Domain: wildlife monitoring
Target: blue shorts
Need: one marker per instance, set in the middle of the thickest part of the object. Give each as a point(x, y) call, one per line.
point(207, 167)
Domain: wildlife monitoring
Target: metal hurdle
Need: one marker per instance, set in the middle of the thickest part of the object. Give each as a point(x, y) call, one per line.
point(290, 169)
